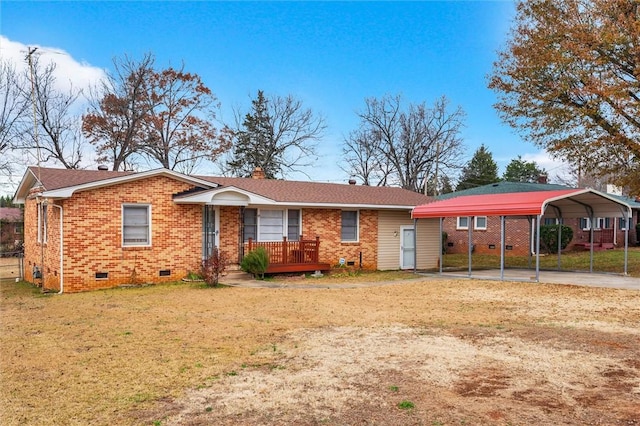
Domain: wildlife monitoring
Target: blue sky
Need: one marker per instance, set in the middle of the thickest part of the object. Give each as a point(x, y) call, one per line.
point(330, 55)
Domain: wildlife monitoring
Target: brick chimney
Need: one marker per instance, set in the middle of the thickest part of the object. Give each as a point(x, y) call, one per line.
point(258, 173)
point(542, 178)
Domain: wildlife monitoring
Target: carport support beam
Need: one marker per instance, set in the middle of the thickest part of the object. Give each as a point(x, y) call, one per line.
point(538, 248)
point(502, 241)
point(470, 232)
point(441, 246)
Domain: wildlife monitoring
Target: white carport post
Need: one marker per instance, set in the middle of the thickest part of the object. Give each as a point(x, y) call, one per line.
point(470, 232)
point(591, 219)
point(538, 248)
point(502, 241)
point(441, 247)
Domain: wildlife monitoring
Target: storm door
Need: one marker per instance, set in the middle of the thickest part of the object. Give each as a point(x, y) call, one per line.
point(209, 232)
point(407, 247)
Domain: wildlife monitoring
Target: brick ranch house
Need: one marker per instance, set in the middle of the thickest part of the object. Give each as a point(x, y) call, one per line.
point(93, 229)
point(608, 232)
point(11, 226)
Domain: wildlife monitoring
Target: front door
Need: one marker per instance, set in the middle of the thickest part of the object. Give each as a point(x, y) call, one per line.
point(407, 247)
point(209, 231)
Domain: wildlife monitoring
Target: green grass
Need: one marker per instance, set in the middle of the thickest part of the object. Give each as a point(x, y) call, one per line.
point(603, 261)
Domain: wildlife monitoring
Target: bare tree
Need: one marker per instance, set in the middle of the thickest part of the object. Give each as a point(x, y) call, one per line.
point(57, 136)
point(179, 128)
point(278, 135)
point(13, 110)
point(118, 109)
point(405, 148)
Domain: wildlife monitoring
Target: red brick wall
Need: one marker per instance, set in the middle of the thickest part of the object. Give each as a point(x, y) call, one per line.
point(93, 237)
point(516, 236)
point(325, 223)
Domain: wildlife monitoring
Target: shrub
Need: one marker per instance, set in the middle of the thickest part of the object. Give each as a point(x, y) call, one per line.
point(213, 267)
point(256, 262)
point(445, 237)
point(549, 237)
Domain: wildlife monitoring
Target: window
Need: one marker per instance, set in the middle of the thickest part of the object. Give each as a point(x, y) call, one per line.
point(480, 222)
point(585, 223)
point(349, 226)
point(44, 223)
point(39, 223)
point(293, 225)
point(550, 221)
point(623, 223)
point(462, 222)
point(136, 225)
point(250, 224)
point(269, 225)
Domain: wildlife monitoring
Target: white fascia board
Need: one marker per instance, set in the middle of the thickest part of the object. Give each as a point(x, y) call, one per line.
point(28, 181)
point(208, 197)
point(70, 190)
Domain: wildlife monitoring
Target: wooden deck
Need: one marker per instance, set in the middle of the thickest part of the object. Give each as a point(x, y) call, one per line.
point(602, 240)
point(291, 256)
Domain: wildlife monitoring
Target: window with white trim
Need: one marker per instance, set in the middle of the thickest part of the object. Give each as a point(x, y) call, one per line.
point(623, 223)
point(136, 225)
point(480, 222)
point(550, 221)
point(462, 222)
point(269, 225)
point(349, 226)
point(585, 223)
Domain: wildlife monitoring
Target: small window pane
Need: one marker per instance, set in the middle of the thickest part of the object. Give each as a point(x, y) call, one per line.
point(481, 222)
point(293, 225)
point(463, 222)
point(250, 224)
point(349, 228)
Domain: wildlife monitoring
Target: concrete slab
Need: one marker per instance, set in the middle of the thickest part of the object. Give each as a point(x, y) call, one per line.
point(553, 277)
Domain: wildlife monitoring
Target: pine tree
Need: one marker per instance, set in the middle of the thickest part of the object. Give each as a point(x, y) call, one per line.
point(519, 170)
point(253, 146)
point(480, 170)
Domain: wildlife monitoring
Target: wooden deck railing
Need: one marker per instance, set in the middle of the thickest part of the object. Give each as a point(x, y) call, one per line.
point(288, 252)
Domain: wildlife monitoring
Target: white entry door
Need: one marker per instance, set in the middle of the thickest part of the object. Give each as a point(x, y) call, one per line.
point(407, 247)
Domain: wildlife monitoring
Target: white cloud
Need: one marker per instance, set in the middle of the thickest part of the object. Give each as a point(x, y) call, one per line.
point(69, 72)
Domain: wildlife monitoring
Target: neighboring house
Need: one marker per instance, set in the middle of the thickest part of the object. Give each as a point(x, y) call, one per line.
point(11, 227)
point(608, 232)
point(125, 228)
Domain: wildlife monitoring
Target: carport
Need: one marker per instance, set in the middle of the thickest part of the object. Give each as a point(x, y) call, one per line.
point(559, 204)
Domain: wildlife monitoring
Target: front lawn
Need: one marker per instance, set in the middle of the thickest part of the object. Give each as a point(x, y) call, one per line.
point(440, 351)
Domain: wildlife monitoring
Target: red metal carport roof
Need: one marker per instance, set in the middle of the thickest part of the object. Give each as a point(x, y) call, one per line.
point(570, 202)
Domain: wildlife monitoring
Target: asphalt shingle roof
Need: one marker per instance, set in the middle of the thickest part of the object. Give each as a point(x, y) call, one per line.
point(504, 188)
point(278, 190)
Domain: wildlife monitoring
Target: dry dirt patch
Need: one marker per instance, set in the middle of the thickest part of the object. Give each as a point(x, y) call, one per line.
point(354, 375)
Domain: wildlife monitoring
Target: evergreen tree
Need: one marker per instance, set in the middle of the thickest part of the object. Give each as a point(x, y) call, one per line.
point(480, 170)
point(278, 135)
point(519, 170)
point(252, 147)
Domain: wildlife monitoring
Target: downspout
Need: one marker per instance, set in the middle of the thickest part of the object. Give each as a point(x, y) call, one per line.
point(61, 248)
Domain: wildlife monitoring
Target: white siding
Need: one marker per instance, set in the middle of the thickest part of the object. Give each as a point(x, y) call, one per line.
point(427, 244)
